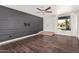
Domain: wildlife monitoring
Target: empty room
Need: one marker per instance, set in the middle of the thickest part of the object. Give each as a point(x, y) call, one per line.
point(39, 29)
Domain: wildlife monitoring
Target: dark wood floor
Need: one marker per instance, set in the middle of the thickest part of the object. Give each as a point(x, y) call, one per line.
point(43, 44)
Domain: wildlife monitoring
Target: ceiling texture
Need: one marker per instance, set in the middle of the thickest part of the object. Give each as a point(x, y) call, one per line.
point(56, 9)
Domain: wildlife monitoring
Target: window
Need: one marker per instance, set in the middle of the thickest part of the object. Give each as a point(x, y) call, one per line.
point(64, 23)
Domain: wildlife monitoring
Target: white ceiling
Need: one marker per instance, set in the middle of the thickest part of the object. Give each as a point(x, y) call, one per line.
point(56, 9)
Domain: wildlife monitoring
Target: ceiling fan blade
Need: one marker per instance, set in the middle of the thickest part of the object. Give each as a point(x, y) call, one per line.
point(47, 8)
point(38, 9)
point(48, 11)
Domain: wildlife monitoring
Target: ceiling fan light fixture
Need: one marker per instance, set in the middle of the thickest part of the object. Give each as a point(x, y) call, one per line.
point(43, 11)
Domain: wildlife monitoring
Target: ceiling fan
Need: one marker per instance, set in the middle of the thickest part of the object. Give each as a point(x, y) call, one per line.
point(43, 11)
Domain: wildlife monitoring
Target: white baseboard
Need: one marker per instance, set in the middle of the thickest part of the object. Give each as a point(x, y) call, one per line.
point(16, 39)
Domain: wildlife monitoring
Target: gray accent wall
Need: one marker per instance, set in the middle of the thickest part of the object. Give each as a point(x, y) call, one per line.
point(14, 24)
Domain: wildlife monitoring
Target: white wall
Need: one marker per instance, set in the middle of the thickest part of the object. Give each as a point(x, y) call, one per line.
point(50, 24)
point(77, 24)
point(74, 24)
point(78, 28)
point(73, 20)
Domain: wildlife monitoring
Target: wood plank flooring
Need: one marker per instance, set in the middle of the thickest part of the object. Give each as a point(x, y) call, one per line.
point(43, 44)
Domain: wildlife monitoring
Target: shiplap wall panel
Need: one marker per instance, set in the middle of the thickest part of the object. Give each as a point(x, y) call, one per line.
point(12, 24)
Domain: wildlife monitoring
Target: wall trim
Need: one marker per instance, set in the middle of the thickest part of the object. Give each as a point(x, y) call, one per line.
point(16, 39)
